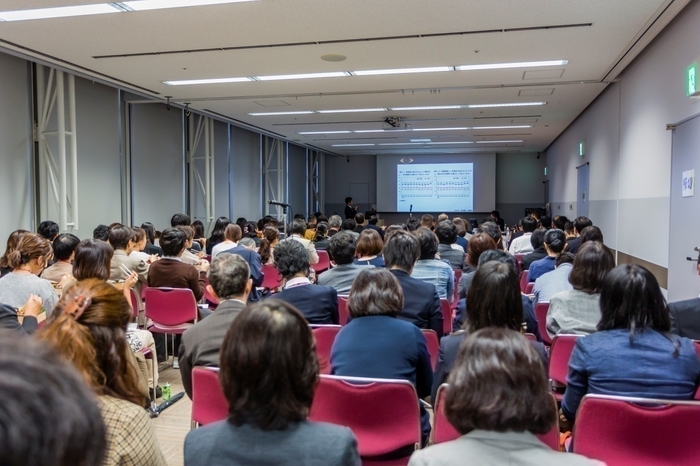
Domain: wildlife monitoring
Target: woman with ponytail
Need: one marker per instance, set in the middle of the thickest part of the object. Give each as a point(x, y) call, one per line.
point(12, 242)
point(88, 328)
point(27, 261)
point(271, 236)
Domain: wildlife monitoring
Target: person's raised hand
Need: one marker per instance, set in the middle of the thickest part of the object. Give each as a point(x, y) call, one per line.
point(33, 306)
point(131, 280)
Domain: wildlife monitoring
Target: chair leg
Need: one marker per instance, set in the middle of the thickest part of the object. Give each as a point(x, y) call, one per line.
point(194, 425)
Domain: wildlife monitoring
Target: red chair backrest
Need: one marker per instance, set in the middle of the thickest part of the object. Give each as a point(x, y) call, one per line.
point(559, 355)
point(524, 280)
point(541, 315)
point(433, 345)
point(446, 316)
point(530, 336)
point(171, 306)
point(208, 402)
point(383, 414)
point(343, 309)
point(623, 431)
point(697, 350)
point(325, 336)
point(324, 262)
point(529, 288)
point(213, 302)
point(519, 261)
point(443, 431)
point(458, 278)
point(272, 278)
point(135, 303)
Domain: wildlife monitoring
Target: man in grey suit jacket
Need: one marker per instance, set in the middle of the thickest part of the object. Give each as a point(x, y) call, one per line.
point(230, 282)
point(342, 251)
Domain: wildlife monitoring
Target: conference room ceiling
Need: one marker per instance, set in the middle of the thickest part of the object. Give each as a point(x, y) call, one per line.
point(140, 50)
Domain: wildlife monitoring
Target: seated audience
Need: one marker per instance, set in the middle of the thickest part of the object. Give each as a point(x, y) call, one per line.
point(151, 249)
point(539, 252)
point(217, 234)
point(137, 245)
point(494, 232)
point(498, 398)
point(268, 243)
point(591, 233)
point(554, 244)
point(9, 316)
point(119, 238)
point(517, 231)
point(230, 283)
point(395, 227)
point(442, 217)
point(427, 221)
point(232, 235)
point(462, 236)
point(100, 232)
point(446, 233)
point(369, 248)
point(494, 301)
point(334, 224)
point(320, 238)
point(12, 242)
point(685, 316)
point(496, 218)
point(48, 230)
point(545, 222)
point(342, 252)
point(574, 243)
point(376, 344)
point(50, 417)
point(318, 304)
point(27, 261)
point(360, 221)
point(198, 228)
point(183, 220)
point(522, 244)
point(431, 269)
point(89, 330)
point(349, 225)
point(555, 281)
point(478, 244)
point(560, 222)
point(421, 305)
point(254, 263)
point(578, 311)
point(190, 255)
point(269, 370)
point(63, 250)
point(310, 233)
point(298, 228)
point(250, 230)
point(633, 353)
point(413, 223)
point(372, 225)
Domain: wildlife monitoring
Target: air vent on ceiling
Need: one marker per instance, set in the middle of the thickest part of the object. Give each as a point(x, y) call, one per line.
point(535, 92)
point(543, 74)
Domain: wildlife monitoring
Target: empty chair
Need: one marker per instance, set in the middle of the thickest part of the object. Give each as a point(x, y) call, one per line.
point(208, 402)
point(172, 310)
point(431, 338)
point(623, 431)
point(325, 336)
point(559, 355)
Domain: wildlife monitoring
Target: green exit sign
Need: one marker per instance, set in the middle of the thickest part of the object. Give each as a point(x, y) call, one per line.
point(692, 79)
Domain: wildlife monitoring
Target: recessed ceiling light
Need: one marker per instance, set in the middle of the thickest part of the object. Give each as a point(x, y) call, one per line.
point(512, 104)
point(282, 77)
point(434, 69)
point(499, 142)
point(502, 127)
point(324, 132)
point(303, 112)
point(58, 12)
point(432, 107)
point(333, 57)
point(353, 110)
point(351, 145)
point(206, 81)
point(503, 66)
point(462, 128)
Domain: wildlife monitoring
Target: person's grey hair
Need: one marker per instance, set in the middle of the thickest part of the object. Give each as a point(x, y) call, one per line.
point(335, 222)
point(228, 275)
point(246, 242)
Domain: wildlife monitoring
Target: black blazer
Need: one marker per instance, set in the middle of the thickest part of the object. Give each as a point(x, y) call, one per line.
point(9, 321)
point(318, 303)
point(350, 212)
point(537, 254)
point(376, 228)
point(421, 303)
point(151, 250)
point(256, 273)
point(573, 245)
point(685, 318)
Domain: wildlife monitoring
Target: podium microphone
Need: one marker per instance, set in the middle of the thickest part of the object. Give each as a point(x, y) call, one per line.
point(281, 204)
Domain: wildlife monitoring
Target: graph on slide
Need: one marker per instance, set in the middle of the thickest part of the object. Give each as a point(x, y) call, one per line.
point(446, 187)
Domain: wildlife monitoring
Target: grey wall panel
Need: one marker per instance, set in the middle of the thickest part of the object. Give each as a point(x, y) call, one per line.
point(15, 147)
point(221, 175)
point(296, 176)
point(157, 164)
point(246, 195)
point(340, 174)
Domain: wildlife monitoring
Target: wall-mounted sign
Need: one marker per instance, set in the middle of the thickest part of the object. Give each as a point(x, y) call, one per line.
point(688, 183)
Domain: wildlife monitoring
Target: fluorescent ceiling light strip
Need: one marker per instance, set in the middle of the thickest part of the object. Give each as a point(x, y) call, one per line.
point(351, 145)
point(456, 142)
point(499, 142)
point(511, 104)
point(353, 110)
point(144, 5)
point(58, 12)
point(441, 129)
point(502, 127)
point(433, 69)
point(304, 112)
point(324, 132)
point(432, 107)
point(282, 77)
point(206, 81)
point(402, 144)
point(503, 66)
point(381, 130)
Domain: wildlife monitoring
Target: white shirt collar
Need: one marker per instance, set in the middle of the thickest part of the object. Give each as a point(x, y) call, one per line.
point(299, 281)
point(170, 258)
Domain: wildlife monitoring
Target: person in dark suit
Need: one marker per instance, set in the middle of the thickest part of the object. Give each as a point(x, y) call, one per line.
point(446, 232)
point(230, 283)
point(537, 241)
point(378, 345)
point(494, 301)
point(372, 225)
point(350, 210)
point(360, 221)
point(318, 304)
point(496, 218)
point(685, 318)
point(255, 264)
point(9, 316)
point(573, 244)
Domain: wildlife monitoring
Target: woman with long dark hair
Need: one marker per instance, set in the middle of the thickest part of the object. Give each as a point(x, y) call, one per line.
point(217, 234)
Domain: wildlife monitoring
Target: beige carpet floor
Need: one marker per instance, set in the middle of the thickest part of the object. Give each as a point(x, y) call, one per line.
point(172, 425)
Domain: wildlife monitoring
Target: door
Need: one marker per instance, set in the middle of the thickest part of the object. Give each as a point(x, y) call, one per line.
point(582, 190)
point(684, 234)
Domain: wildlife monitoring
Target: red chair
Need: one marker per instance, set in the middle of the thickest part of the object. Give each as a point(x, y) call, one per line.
point(530, 336)
point(446, 316)
point(172, 310)
point(458, 278)
point(272, 279)
point(343, 309)
point(136, 306)
point(433, 345)
point(559, 355)
point(444, 432)
point(697, 350)
point(622, 431)
point(209, 404)
point(212, 301)
point(529, 288)
point(324, 262)
point(519, 261)
point(541, 315)
point(325, 336)
point(524, 280)
point(383, 414)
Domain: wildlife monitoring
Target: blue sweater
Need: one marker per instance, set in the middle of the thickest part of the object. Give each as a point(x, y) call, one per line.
point(540, 267)
point(607, 363)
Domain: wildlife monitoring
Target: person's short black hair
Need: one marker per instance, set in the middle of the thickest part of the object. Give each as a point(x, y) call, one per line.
point(401, 249)
point(492, 230)
point(291, 257)
point(496, 214)
point(342, 247)
point(359, 218)
point(296, 217)
point(375, 292)
point(560, 222)
point(428, 243)
point(546, 222)
point(537, 238)
point(228, 275)
point(269, 367)
point(119, 236)
point(48, 415)
point(101, 232)
point(582, 222)
point(446, 232)
point(298, 227)
point(593, 262)
point(555, 239)
point(349, 224)
point(64, 246)
point(348, 200)
point(529, 224)
point(173, 241)
point(497, 255)
point(498, 383)
point(413, 223)
point(48, 230)
point(373, 220)
point(564, 258)
point(180, 220)
point(591, 233)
